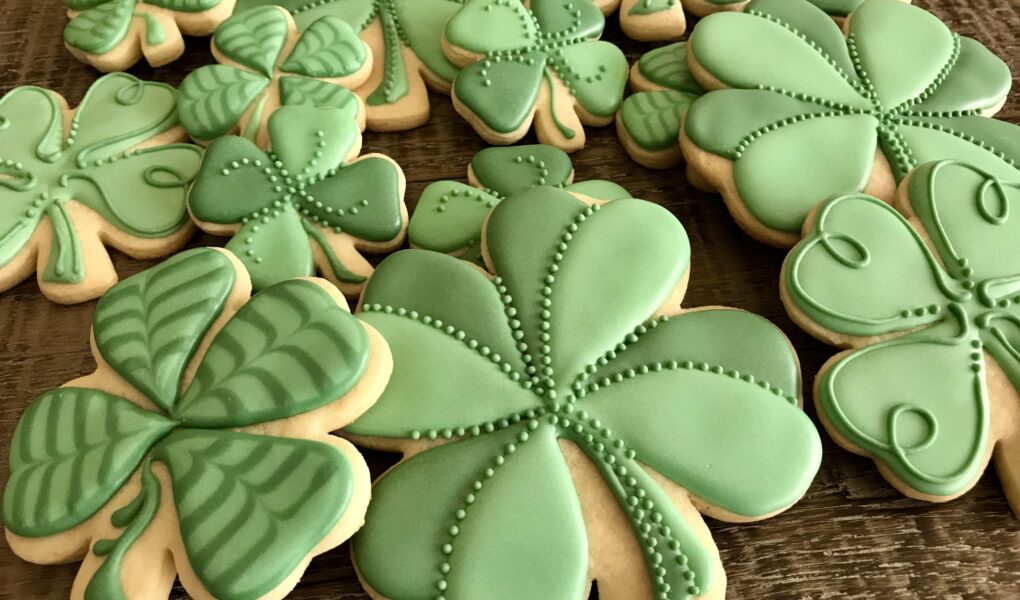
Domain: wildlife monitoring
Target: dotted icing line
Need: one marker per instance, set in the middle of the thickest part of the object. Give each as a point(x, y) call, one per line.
point(939, 79)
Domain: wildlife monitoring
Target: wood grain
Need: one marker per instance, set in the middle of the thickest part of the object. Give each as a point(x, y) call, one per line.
point(852, 536)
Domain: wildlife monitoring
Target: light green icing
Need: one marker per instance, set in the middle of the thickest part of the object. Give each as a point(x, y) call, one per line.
point(810, 107)
point(864, 271)
point(667, 67)
point(103, 25)
point(300, 188)
point(413, 24)
point(650, 7)
point(542, 352)
point(94, 163)
point(215, 97)
point(250, 508)
point(519, 44)
point(449, 215)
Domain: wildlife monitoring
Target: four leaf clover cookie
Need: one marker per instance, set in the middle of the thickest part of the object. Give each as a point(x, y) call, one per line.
point(303, 204)
point(200, 446)
point(928, 300)
point(264, 64)
point(112, 35)
point(649, 121)
point(799, 112)
point(562, 419)
point(538, 63)
point(450, 214)
point(406, 41)
point(74, 180)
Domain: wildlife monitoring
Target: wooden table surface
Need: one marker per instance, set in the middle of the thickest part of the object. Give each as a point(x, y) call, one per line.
point(852, 536)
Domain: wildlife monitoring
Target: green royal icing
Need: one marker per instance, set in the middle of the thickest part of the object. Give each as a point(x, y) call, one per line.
point(250, 507)
point(563, 345)
point(520, 46)
point(102, 25)
point(450, 214)
point(413, 24)
point(284, 198)
point(650, 7)
point(42, 167)
point(652, 118)
point(836, 8)
point(215, 97)
point(917, 402)
point(808, 108)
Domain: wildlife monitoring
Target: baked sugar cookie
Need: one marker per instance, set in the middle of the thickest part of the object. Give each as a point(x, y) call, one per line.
point(647, 20)
point(648, 123)
point(538, 62)
point(799, 112)
point(200, 446)
point(562, 420)
point(306, 204)
point(449, 214)
point(927, 299)
point(72, 181)
point(112, 35)
point(266, 63)
point(406, 41)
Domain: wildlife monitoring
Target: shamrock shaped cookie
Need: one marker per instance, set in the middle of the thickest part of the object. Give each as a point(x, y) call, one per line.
point(406, 41)
point(74, 180)
point(647, 20)
point(265, 63)
point(538, 62)
point(562, 420)
point(112, 35)
point(450, 214)
point(304, 204)
point(799, 112)
point(929, 302)
point(200, 447)
point(648, 123)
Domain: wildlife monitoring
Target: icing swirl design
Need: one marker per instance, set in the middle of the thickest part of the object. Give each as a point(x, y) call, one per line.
point(919, 403)
point(514, 55)
point(807, 113)
point(303, 202)
point(97, 163)
point(265, 63)
point(566, 344)
point(255, 481)
point(450, 214)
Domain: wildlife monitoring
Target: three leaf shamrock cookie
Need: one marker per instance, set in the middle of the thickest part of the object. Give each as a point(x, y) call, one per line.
point(264, 64)
point(112, 35)
point(538, 63)
point(799, 112)
point(74, 180)
point(647, 20)
point(304, 204)
point(200, 447)
point(406, 41)
point(450, 215)
point(927, 299)
point(562, 419)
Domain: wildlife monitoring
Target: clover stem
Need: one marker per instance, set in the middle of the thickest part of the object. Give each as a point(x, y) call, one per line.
point(65, 262)
point(678, 564)
point(136, 515)
point(252, 128)
point(339, 270)
point(393, 85)
point(566, 131)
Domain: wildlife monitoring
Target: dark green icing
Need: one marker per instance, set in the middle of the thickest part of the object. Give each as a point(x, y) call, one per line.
point(519, 45)
point(301, 182)
point(563, 344)
point(863, 271)
point(94, 163)
point(810, 107)
point(250, 507)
